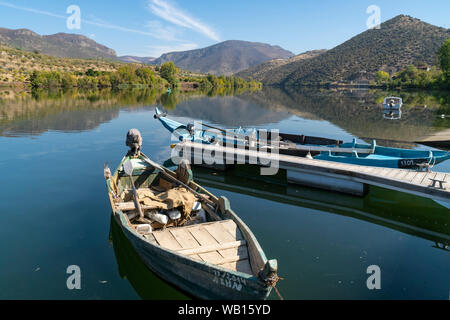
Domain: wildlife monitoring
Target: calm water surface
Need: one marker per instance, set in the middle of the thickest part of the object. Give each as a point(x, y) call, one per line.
point(55, 210)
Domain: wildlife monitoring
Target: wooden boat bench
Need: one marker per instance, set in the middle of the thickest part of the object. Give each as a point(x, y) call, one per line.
point(219, 243)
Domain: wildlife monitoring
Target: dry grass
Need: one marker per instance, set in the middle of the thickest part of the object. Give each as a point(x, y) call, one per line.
point(16, 65)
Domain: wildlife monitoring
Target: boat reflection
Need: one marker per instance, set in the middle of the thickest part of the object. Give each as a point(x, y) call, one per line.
point(406, 213)
point(392, 114)
point(146, 284)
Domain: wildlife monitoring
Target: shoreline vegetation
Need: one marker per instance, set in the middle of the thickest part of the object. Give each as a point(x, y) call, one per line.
point(23, 69)
point(420, 76)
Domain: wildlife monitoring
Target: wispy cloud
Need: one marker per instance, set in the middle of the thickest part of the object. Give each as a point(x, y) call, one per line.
point(170, 13)
point(161, 32)
point(154, 29)
point(46, 13)
point(158, 50)
point(95, 22)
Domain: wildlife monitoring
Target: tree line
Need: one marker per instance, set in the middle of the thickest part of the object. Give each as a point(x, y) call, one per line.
point(132, 76)
point(420, 76)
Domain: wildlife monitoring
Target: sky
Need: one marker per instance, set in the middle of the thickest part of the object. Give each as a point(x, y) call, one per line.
point(150, 28)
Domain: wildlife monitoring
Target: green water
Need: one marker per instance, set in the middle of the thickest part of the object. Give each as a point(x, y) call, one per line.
point(55, 212)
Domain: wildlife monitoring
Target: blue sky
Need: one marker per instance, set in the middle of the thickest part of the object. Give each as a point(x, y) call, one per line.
point(153, 27)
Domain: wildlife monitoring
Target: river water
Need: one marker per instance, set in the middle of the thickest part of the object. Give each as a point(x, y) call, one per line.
point(55, 212)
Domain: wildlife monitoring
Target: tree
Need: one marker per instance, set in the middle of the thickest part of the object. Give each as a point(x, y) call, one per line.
point(168, 71)
point(146, 75)
point(92, 73)
point(382, 77)
point(444, 57)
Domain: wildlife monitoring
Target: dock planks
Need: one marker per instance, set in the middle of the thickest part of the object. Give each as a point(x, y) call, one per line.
point(408, 181)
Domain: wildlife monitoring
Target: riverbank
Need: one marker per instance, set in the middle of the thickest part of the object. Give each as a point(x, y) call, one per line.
point(19, 68)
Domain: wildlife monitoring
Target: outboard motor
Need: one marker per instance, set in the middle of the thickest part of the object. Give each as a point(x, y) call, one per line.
point(134, 142)
point(184, 172)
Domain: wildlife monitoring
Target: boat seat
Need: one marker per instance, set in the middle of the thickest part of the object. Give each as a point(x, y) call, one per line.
point(219, 243)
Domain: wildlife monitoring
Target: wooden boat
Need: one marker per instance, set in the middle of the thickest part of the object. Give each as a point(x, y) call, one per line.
point(216, 257)
point(315, 147)
point(393, 103)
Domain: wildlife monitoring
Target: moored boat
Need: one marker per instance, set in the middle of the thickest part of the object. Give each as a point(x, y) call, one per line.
point(315, 147)
point(393, 103)
point(186, 235)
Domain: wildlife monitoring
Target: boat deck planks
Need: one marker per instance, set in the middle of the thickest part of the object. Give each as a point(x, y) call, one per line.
point(220, 243)
point(409, 181)
point(232, 228)
point(184, 238)
point(167, 240)
point(241, 266)
point(219, 233)
point(203, 237)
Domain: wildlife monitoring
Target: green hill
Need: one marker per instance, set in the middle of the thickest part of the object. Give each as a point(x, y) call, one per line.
point(399, 42)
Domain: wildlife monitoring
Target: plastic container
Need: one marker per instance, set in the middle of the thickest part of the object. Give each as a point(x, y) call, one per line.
point(157, 217)
point(174, 215)
point(144, 229)
point(132, 215)
point(197, 207)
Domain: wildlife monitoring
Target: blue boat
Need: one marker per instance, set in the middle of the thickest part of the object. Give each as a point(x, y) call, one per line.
point(306, 146)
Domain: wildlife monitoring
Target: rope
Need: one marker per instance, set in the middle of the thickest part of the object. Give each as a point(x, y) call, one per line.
point(272, 282)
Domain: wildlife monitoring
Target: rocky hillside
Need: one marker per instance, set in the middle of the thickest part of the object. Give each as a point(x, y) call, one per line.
point(261, 70)
point(225, 58)
point(134, 59)
point(58, 45)
point(399, 42)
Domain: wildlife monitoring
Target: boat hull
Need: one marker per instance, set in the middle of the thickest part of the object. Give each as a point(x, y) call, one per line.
point(369, 162)
point(199, 279)
point(385, 157)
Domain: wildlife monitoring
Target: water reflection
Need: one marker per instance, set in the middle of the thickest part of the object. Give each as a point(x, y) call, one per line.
point(358, 112)
point(402, 212)
point(146, 284)
point(35, 112)
point(392, 114)
point(230, 111)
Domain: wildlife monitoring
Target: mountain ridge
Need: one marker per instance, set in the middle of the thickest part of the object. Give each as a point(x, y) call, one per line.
point(268, 66)
point(62, 45)
point(136, 59)
point(225, 58)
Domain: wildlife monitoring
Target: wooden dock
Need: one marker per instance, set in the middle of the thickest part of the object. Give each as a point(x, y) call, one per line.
point(438, 140)
point(340, 177)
